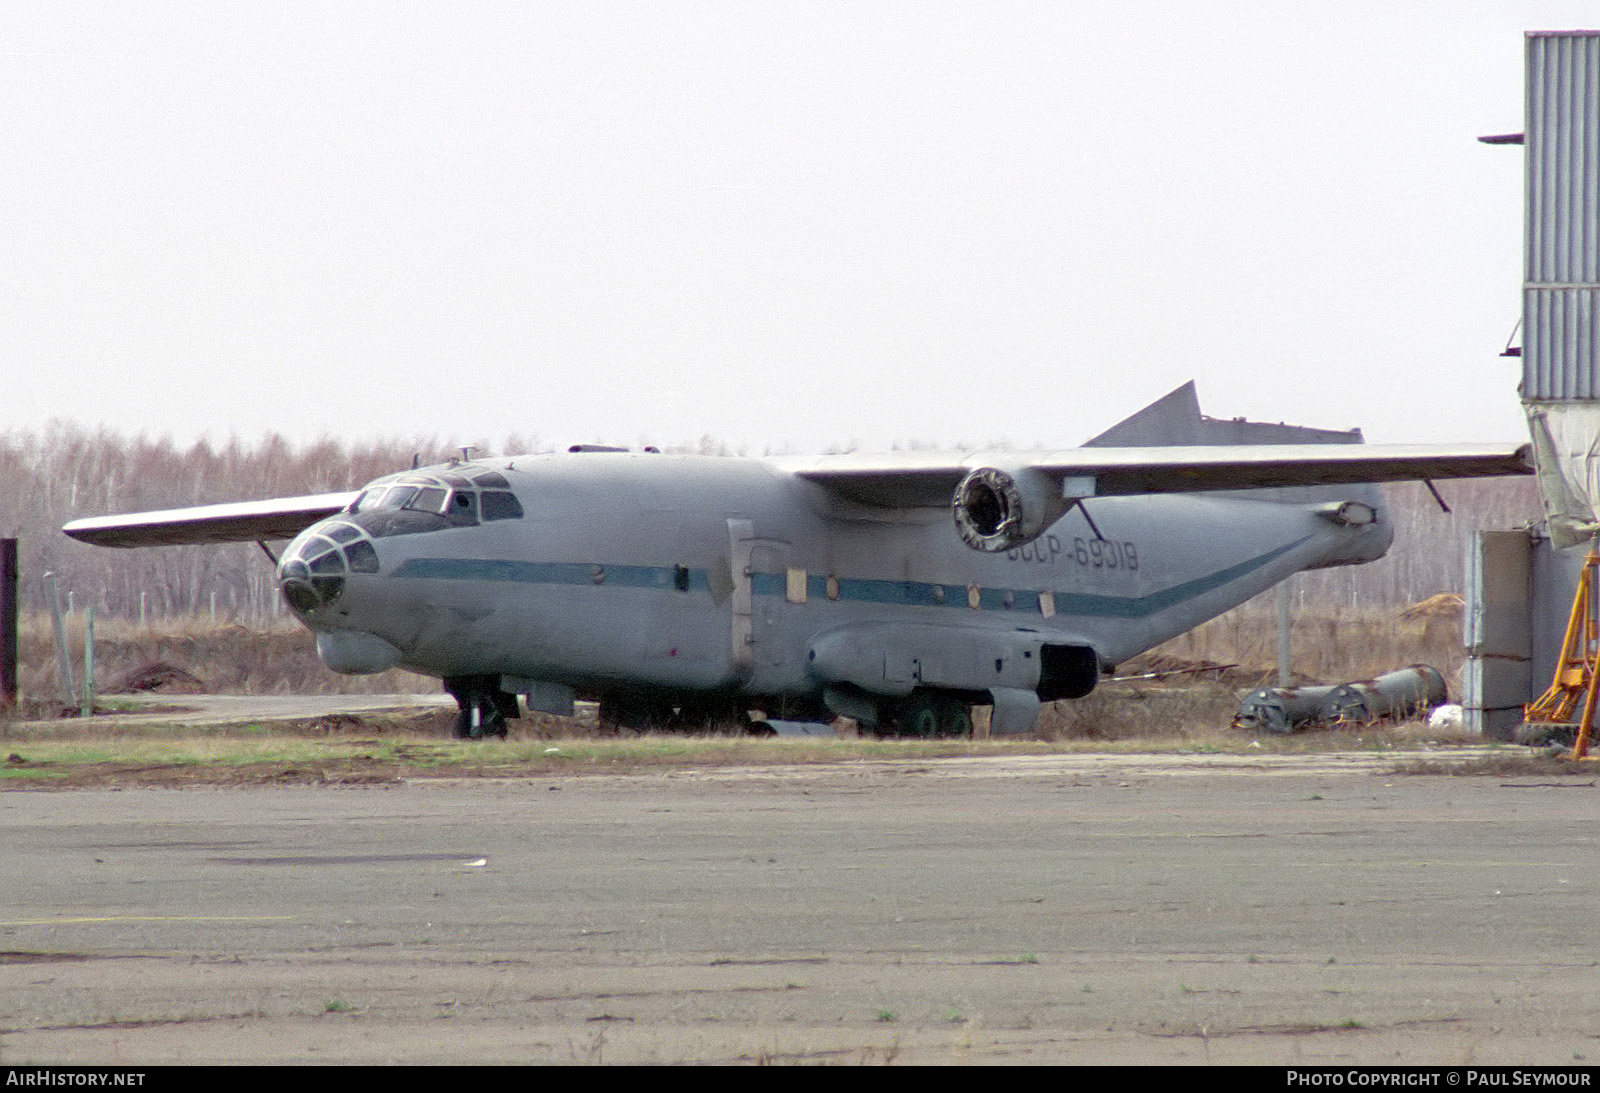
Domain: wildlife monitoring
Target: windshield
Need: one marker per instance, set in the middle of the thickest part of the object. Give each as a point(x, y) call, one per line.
point(419, 502)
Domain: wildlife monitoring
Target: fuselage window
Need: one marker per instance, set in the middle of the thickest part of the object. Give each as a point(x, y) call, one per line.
point(464, 506)
point(500, 506)
point(369, 500)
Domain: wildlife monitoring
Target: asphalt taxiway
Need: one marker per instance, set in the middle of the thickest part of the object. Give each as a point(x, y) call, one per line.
point(1044, 908)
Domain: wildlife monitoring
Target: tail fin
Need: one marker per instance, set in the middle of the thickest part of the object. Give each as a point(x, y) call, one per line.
point(1175, 420)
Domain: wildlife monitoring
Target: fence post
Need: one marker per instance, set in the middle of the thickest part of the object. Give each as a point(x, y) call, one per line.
point(9, 609)
point(88, 661)
point(1284, 674)
point(52, 594)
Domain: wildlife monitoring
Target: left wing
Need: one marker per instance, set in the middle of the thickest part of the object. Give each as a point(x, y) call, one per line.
point(238, 522)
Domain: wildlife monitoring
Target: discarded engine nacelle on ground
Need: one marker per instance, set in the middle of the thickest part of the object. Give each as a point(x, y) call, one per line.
point(1281, 710)
point(1404, 693)
point(1407, 692)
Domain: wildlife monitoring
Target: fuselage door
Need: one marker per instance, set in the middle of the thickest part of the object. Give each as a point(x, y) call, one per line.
point(760, 569)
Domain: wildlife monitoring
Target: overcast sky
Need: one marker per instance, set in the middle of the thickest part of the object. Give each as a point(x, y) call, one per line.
point(787, 225)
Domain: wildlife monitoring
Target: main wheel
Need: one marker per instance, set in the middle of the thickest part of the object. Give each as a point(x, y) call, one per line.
point(954, 715)
point(917, 715)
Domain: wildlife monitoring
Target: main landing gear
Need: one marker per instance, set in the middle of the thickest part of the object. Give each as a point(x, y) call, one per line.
point(484, 707)
point(926, 713)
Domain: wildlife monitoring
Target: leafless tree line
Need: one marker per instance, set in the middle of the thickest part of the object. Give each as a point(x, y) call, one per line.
point(65, 472)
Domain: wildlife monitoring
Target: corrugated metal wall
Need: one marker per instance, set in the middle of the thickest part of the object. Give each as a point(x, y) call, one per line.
point(1561, 295)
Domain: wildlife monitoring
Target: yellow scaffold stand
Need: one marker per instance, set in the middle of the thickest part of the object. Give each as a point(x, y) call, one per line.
point(1576, 676)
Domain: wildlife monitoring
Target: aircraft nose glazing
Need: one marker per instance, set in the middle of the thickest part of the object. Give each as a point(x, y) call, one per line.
point(313, 570)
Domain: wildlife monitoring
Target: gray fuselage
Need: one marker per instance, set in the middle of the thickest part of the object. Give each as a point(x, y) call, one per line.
point(683, 575)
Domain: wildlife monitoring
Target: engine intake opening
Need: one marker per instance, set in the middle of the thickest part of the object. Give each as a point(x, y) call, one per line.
point(988, 510)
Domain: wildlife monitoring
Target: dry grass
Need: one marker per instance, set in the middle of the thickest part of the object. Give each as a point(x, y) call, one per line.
point(1330, 646)
point(227, 659)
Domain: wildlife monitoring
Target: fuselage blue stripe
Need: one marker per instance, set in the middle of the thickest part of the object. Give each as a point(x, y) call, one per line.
point(856, 590)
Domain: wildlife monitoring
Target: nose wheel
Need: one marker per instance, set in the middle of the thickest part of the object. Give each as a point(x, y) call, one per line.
point(482, 708)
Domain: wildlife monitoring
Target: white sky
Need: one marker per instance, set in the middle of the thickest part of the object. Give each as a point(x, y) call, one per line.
point(788, 225)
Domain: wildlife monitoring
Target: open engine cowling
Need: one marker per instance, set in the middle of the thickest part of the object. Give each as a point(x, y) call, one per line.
point(998, 509)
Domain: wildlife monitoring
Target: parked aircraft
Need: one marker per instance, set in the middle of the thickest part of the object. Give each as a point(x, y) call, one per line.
point(683, 591)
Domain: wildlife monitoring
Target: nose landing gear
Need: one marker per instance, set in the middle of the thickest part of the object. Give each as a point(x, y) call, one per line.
point(484, 707)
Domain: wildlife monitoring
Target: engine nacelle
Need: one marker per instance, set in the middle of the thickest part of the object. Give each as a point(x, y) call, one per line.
point(998, 510)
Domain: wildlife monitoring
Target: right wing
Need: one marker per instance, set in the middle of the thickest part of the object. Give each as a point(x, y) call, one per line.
point(237, 522)
point(922, 478)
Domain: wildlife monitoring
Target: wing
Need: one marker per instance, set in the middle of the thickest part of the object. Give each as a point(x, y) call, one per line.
point(239, 522)
point(930, 479)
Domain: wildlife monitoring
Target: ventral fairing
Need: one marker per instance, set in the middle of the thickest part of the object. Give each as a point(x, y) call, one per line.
point(683, 592)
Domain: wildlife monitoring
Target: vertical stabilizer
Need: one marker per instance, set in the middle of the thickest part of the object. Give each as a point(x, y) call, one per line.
point(1172, 419)
point(1175, 420)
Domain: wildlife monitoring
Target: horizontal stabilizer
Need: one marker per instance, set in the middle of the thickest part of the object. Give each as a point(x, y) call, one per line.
point(238, 522)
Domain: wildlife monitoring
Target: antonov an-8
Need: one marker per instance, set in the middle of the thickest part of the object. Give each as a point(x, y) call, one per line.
point(684, 591)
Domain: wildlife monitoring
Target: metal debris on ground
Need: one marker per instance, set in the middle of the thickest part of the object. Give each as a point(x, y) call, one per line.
point(1407, 692)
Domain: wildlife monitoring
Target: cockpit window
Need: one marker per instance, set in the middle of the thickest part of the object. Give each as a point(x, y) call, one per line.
point(341, 533)
point(428, 500)
point(462, 496)
point(399, 496)
point(363, 559)
point(329, 563)
point(500, 506)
